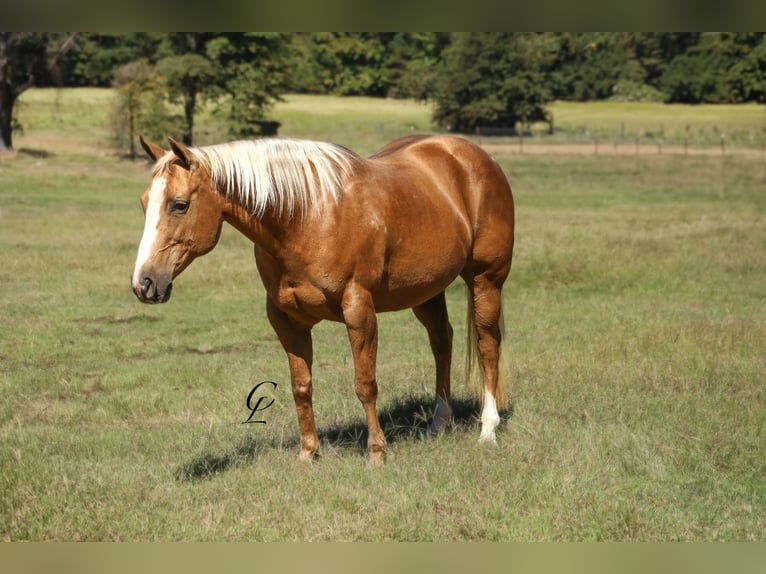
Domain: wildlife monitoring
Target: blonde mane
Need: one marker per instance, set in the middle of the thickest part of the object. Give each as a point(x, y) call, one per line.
point(289, 175)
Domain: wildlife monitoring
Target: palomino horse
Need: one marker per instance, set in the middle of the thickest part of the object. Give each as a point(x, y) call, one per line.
point(342, 237)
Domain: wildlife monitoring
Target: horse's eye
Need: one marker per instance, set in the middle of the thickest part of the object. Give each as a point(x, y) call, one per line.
point(179, 206)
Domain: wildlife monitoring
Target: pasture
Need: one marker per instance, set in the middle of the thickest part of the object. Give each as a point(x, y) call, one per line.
point(635, 315)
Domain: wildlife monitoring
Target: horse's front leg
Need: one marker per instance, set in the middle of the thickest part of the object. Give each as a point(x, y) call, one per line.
point(362, 326)
point(296, 340)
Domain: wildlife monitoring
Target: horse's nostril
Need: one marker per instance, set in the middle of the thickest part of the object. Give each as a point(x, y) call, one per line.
point(166, 296)
point(147, 288)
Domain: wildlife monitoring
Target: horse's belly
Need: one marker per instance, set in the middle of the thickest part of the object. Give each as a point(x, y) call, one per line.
point(412, 278)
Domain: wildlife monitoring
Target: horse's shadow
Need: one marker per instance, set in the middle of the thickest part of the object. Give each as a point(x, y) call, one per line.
point(407, 419)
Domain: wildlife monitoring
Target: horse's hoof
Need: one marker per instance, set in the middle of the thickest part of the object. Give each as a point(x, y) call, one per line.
point(377, 459)
point(488, 437)
point(435, 429)
point(307, 456)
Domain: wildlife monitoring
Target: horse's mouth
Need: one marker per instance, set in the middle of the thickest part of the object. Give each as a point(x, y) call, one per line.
point(149, 292)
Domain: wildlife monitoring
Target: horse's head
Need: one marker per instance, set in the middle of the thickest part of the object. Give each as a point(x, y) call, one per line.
point(183, 220)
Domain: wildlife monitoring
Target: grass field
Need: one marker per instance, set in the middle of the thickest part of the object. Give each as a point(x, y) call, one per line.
point(738, 126)
point(636, 314)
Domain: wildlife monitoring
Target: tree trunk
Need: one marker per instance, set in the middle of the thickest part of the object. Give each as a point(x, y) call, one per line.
point(190, 103)
point(7, 99)
point(7, 95)
point(19, 53)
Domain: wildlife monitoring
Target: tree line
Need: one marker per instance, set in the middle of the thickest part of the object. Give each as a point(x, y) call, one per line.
point(473, 79)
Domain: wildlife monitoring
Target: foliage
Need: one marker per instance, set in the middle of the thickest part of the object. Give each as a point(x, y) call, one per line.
point(24, 57)
point(252, 69)
point(655, 50)
point(629, 91)
point(513, 79)
point(491, 79)
point(247, 69)
point(576, 66)
point(699, 75)
point(187, 77)
point(140, 106)
point(100, 55)
point(382, 64)
point(412, 64)
point(747, 79)
point(345, 63)
point(589, 65)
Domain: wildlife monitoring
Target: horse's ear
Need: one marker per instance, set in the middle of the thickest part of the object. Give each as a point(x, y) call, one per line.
point(152, 150)
point(182, 153)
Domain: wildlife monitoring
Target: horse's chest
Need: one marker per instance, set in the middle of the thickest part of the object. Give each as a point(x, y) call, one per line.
point(305, 301)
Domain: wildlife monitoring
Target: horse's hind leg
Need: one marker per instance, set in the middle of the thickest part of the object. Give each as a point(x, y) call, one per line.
point(433, 315)
point(485, 289)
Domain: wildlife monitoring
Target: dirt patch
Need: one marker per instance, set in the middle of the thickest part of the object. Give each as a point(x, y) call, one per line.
point(602, 148)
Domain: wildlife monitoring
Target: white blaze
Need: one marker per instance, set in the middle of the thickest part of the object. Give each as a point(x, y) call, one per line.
point(156, 194)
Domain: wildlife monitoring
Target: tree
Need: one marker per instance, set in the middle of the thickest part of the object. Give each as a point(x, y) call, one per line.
point(655, 50)
point(411, 65)
point(492, 79)
point(346, 63)
point(587, 66)
point(699, 75)
point(748, 81)
point(747, 77)
point(187, 77)
point(100, 55)
point(252, 69)
point(188, 73)
point(140, 105)
point(24, 58)
point(244, 73)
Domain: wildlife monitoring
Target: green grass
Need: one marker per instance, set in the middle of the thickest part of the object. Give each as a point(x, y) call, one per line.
point(359, 123)
point(636, 317)
point(741, 126)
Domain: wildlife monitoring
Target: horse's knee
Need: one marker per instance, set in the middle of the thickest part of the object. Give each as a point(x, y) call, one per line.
point(302, 390)
point(366, 390)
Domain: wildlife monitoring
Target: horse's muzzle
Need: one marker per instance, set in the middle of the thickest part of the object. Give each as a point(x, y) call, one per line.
point(148, 291)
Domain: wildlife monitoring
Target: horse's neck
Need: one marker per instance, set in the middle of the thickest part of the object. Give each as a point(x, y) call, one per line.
point(268, 231)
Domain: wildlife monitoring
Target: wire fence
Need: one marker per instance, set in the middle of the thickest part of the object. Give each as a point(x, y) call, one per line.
point(697, 140)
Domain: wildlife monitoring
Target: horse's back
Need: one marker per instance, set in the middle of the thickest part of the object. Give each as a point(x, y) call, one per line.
point(458, 168)
point(399, 144)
